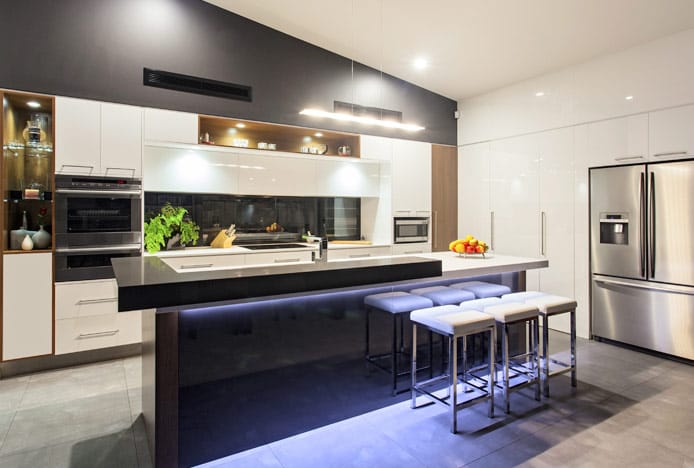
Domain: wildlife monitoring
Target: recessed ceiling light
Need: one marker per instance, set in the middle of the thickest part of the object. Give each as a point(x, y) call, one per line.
point(307, 139)
point(540, 93)
point(240, 125)
point(33, 104)
point(629, 98)
point(318, 134)
point(420, 63)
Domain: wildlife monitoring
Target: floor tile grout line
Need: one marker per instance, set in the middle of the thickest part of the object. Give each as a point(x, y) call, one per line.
point(274, 454)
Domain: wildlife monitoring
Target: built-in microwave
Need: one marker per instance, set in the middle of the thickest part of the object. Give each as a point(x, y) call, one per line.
point(408, 230)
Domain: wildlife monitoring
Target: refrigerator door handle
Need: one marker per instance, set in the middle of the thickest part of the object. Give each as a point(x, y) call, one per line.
point(642, 225)
point(544, 234)
point(652, 225)
point(650, 286)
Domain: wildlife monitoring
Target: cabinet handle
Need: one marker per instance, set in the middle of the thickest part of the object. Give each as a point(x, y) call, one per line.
point(628, 158)
point(544, 233)
point(120, 169)
point(83, 166)
point(100, 192)
point(403, 211)
point(287, 260)
point(96, 301)
point(671, 153)
point(435, 228)
point(360, 255)
point(491, 228)
point(408, 252)
point(83, 336)
point(201, 265)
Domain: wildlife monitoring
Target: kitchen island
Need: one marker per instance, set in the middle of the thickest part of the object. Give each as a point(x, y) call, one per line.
point(238, 357)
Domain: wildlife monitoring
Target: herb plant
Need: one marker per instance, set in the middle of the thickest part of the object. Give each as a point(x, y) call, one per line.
point(171, 220)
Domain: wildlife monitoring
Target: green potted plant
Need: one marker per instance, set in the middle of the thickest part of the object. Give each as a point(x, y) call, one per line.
point(172, 224)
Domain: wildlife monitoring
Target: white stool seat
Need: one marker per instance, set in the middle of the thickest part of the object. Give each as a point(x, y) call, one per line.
point(512, 312)
point(415, 315)
point(522, 296)
point(551, 304)
point(480, 304)
point(458, 323)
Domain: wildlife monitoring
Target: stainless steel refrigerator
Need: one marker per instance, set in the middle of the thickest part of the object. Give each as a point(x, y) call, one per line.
point(642, 255)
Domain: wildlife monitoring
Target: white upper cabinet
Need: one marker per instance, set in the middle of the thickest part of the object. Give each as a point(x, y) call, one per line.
point(172, 169)
point(97, 138)
point(671, 134)
point(618, 141)
point(276, 175)
point(374, 147)
point(171, 126)
point(347, 178)
point(77, 136)
point(411, 178)
point(121, 140)
point(474, 215)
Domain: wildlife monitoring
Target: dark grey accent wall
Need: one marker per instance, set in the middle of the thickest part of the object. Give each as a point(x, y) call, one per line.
point(96, 49)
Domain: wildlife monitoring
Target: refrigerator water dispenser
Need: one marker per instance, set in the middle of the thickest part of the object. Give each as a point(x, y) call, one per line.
point(614, 228)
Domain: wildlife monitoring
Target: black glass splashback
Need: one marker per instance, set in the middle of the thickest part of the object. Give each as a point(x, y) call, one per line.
point(253, 215)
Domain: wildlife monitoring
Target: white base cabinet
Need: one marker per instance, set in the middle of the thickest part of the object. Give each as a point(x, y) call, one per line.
point(27, 305)
point(411, 249)
point(358, 253)
point(87, 317)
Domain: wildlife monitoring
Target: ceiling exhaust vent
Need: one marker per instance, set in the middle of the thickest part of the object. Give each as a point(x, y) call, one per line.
point(194, 84)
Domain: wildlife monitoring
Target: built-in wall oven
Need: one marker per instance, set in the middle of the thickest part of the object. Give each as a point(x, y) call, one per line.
point(410, 229)
point(97, 219)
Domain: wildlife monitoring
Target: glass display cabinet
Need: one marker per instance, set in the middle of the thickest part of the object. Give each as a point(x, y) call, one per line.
point(27, 133)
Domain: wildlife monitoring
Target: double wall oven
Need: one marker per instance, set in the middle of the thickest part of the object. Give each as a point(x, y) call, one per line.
point(97, 219)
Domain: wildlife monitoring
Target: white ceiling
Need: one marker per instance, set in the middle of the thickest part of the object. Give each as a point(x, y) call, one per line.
point(472, 46)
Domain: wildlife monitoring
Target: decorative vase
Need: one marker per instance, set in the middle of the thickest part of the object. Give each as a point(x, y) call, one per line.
point(27, 243)
point(42, 239)
point(175, 243)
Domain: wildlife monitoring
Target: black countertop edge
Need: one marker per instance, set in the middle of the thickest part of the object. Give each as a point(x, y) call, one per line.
point(145, 283)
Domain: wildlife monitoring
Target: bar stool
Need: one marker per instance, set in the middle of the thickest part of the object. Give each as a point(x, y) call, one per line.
point(396, 304)
point(505, 314)
point(482, 289)
point(551, 305)
point(443, 295)
point(453, 325)
point(548, 306)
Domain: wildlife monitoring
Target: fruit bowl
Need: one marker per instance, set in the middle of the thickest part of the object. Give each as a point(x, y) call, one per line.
point(469, 247)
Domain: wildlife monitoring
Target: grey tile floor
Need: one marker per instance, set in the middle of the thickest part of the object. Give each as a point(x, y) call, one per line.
point(630, 409)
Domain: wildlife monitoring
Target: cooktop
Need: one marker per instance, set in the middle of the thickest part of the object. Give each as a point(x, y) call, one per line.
point(273, 246)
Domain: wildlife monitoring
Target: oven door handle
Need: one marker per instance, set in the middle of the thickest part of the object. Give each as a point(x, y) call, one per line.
point(99, 192)
point(78, 250)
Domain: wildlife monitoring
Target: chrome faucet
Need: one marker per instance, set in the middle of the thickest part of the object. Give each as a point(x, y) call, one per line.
point(322, 248)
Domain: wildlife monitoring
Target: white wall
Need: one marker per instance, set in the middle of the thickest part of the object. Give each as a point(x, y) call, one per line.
point(658, 76)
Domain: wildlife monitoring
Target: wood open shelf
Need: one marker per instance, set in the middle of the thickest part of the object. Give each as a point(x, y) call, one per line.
point(27, 167)
point(223, 132)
